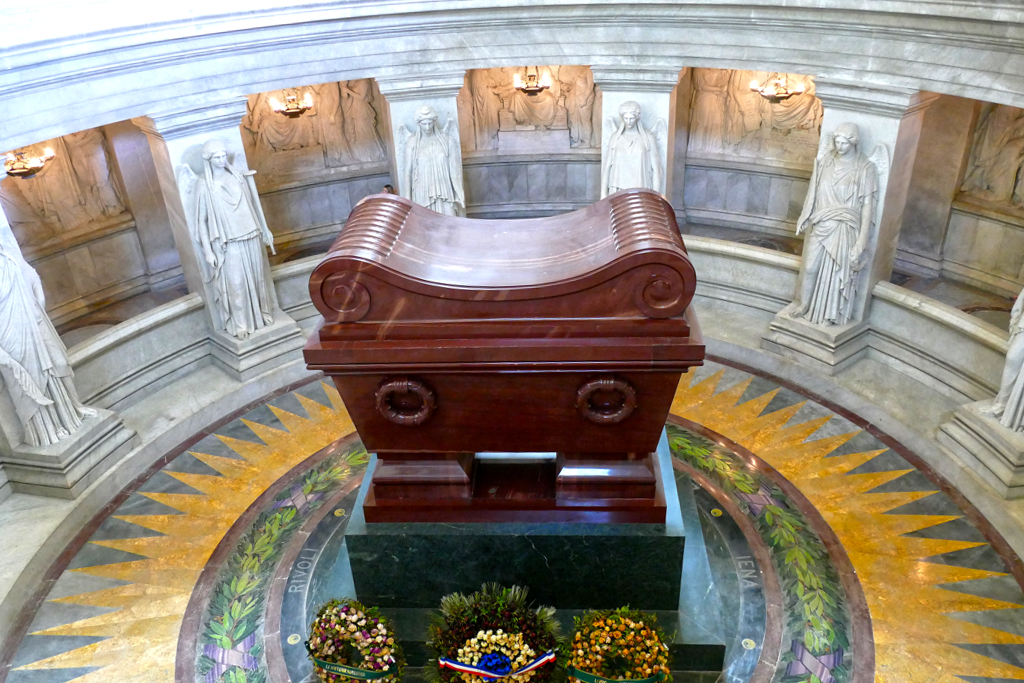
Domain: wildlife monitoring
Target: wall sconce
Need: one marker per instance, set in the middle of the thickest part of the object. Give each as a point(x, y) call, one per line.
point(18, 165)
point(293, 107)
point(534, 83)
point(776, 89)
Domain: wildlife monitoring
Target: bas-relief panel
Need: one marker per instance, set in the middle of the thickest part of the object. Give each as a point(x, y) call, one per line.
point(343, 129)
point(566, 115)
point(72, 225)
point(727, 118)
point(995, 170)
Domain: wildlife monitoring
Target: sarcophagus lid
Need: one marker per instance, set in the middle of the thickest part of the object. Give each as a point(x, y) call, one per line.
point(606, 288)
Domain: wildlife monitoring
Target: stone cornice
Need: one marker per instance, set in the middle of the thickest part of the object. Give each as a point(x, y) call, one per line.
point(424, 87)
point(637, 78)
point(211, 118)
point(870, 98)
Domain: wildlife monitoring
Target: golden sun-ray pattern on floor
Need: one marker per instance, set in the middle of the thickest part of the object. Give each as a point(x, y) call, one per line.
point(923, 631)
point(136, 631)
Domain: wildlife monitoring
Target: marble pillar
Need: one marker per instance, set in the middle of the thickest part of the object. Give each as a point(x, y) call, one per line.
point(888, 122)
point(131, 153)
point(407, 100)
point(942, 153)
point(652, 89)
point(50, 444)
point(176, 140)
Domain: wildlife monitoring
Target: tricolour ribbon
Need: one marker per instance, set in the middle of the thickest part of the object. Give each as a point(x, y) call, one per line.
point(349, 671)
point(587, 677)
point(462, 667)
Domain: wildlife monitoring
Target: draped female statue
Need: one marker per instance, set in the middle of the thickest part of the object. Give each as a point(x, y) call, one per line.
point(1008, 405)
point(632, 158)
point(432, 165)
point(361, 121)
point(231, 232)
point(578, 86)
point(839, 214)
point(33, 359)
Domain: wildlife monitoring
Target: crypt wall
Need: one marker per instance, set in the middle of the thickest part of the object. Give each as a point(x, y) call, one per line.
point(738, 163)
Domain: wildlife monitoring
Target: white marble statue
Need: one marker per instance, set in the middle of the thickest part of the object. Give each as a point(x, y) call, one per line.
point(361, 121)
point(994, 172)
point(432, 165)
point(839, 216)
point(33, 359)
point(708, 114)
point(580, 96)
point(231, 233)
point(632, 158)
point(1008, 405)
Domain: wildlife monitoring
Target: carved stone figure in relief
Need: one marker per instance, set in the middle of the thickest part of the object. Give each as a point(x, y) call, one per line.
point(540, 110)
point(88, 156)
point(578, 88)
point(361, 121)
point(839, 216)
point(708, 115)
point(632, 158)
point(331, 124)
point(33, 359)
point(995, 169)
point(231, 233)
point(488, 87)
point(432, 165)
point(55, 193)
point(1008, 405)
point(275, 132)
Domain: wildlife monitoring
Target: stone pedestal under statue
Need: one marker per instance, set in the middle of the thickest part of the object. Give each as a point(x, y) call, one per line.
point(993, 451)
point(827, 348)
point(64, 469)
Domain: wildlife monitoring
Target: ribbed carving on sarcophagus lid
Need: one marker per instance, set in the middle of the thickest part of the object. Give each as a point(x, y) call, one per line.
point(642, 217)
point(374, 225)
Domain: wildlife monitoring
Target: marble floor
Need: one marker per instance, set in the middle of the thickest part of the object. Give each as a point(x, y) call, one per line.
point(830, 553)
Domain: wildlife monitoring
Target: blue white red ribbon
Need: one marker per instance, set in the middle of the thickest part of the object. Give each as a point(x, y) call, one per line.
point(462, 667)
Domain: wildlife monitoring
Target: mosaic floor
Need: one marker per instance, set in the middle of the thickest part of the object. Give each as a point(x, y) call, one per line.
point(834, 556)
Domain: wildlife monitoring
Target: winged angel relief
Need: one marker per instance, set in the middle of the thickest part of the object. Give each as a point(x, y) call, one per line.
point(841, 215)
point(228, 228)
point(431, 164)
point(633, 156)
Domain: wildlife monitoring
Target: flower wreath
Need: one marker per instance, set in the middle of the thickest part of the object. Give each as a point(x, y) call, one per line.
point(492, 634)
point(349, 641)
point(615, 645)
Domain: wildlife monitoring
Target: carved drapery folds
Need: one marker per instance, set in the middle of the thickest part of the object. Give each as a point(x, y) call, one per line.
point(490, 105)
point(841, 221)
point(342, 129)
point(1008, 405)
point(995, 172)
point(227, 224)
point(632, 158)
point(75, 189)
point(431, 164)
point(33, 360)
point(727, 117)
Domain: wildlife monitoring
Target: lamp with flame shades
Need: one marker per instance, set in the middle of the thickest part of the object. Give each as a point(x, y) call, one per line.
point(19, 165)
point(776, 89)
point(534, 83)
point(293, 107)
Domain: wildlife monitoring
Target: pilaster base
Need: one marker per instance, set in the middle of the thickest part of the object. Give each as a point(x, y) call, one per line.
point(827, 348)
point(994, 452)
point(66, 468)
point(264, 350)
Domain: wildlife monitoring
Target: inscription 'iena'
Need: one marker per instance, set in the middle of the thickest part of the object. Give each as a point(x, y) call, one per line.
point(746, 569)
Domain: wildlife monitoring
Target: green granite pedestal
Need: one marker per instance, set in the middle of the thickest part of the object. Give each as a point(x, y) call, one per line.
point(567, 566)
